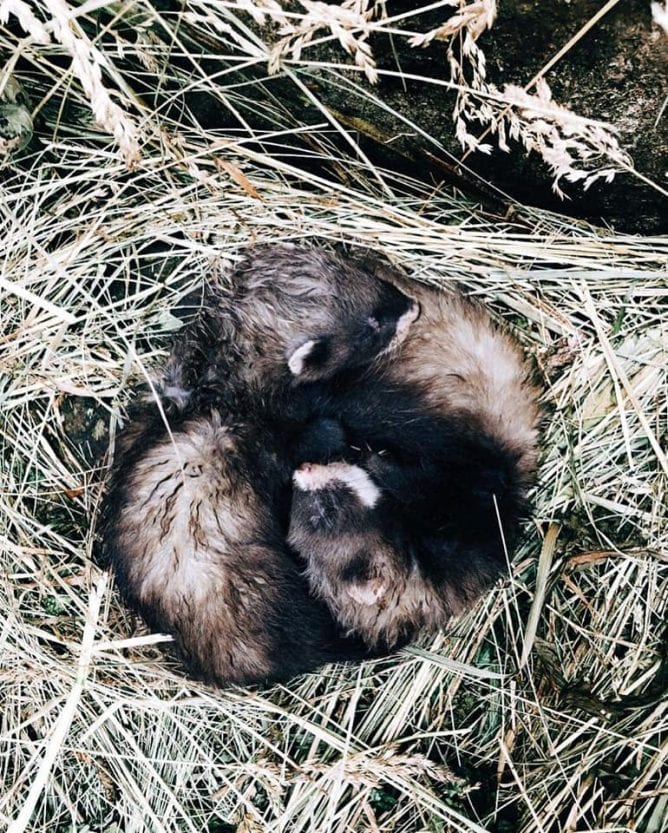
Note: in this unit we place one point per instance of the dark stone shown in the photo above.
(617, 73)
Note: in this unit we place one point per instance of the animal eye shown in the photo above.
(373, 322)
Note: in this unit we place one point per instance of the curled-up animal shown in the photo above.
(385, 577)
(288, 320)
(194, 519)
(192, 531)
(416, 516)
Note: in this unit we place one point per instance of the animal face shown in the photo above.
(335, 498)
(342, 526)
(336, 519)
(358, 339)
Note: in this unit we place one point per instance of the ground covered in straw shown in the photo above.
(541, 710)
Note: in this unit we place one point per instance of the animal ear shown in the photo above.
(361, 580)
(369, 592)
(310, 359)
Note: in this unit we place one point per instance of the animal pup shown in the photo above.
(448, 428)
(458, 389)
(292, 317)
(192, 531)
(447, 437)
(194, 519)
(385, 577)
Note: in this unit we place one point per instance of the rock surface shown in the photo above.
(616, 73)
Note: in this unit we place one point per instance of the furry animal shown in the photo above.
(414, 519)
(385, 577)
(292, 318)
(193, 532)
(195, 516)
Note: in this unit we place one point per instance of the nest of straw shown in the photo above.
(540, 710)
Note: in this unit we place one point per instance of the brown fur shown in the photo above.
(281, 298)
(414, 572)
(192, 520)
(463, 364)
(360, 563)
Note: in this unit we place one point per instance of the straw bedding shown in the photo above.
(540, 710)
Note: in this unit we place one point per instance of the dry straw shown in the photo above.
(542, 709)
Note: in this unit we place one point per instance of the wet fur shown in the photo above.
(248, 341)
(192, 530)
(385, 576)
(447, 432)
(195, 517)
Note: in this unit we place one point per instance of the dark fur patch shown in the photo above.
(357, 568)
(245, 612)
(321, 441)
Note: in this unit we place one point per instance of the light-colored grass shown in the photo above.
(540, 710)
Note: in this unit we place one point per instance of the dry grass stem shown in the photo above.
(511, 720)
